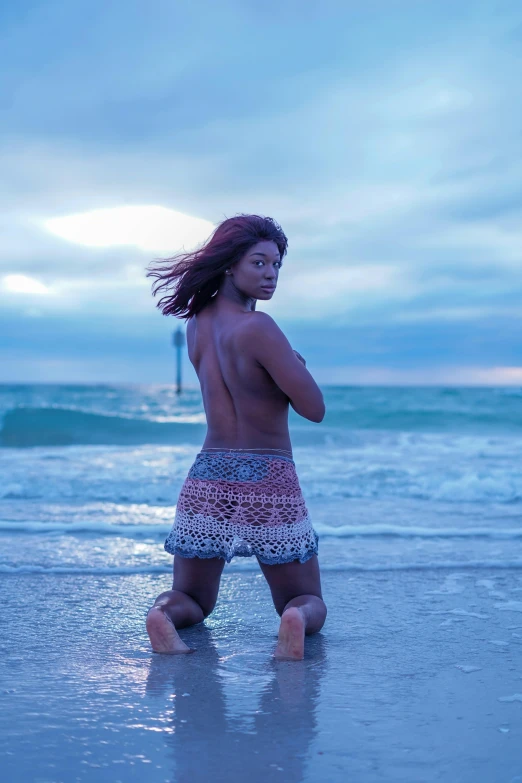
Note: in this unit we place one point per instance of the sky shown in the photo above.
(384, 136)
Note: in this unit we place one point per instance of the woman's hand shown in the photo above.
(300, 358)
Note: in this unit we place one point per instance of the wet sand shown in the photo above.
(416, 676)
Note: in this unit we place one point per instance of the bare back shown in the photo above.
(244, 406)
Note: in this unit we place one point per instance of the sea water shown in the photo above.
(394, 478)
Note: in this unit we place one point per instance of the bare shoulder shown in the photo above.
(261, 336)
(259, 323)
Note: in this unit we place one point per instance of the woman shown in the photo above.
(242, 495)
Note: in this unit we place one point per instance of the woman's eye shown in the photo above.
(277, 263)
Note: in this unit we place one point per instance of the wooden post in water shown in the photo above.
(178, 340)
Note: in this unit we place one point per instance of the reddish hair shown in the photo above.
(195, 277)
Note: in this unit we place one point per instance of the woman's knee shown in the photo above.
(207, 607)
(205, 602)
(199, 579)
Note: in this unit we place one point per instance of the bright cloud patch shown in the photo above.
(151, 228)
(21, 284)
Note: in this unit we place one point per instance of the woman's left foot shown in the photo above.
(162, 634)
(290, 644)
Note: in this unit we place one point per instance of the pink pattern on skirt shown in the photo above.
(241, 503)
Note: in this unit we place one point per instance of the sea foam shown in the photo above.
(251, 565)
(326, 531)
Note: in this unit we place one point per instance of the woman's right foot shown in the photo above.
(163, 636)
(290, 643)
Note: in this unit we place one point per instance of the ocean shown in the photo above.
(416, 494)
(393, 477)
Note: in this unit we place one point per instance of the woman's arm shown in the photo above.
(287, 368)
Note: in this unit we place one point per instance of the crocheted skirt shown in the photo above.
(242, 503)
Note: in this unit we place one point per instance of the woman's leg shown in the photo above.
(296, 592)
(192, 598)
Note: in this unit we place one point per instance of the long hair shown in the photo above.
(194, 277)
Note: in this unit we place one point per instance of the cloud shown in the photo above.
(22, 284)
(151, 228)
(387, 146)
(305, 294)
(456, 314)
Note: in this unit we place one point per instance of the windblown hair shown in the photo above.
(195, 277)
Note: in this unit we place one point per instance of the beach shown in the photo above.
(417, 674)
(415, 677)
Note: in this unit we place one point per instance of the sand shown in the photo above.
(416, 676)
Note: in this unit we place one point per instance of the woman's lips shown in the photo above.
(268, 287)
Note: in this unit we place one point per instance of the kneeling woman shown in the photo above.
(242, 494)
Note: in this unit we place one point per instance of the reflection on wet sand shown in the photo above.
(215, 731)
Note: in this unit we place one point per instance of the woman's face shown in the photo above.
(256, 274)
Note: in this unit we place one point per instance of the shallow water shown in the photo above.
(410, 680)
